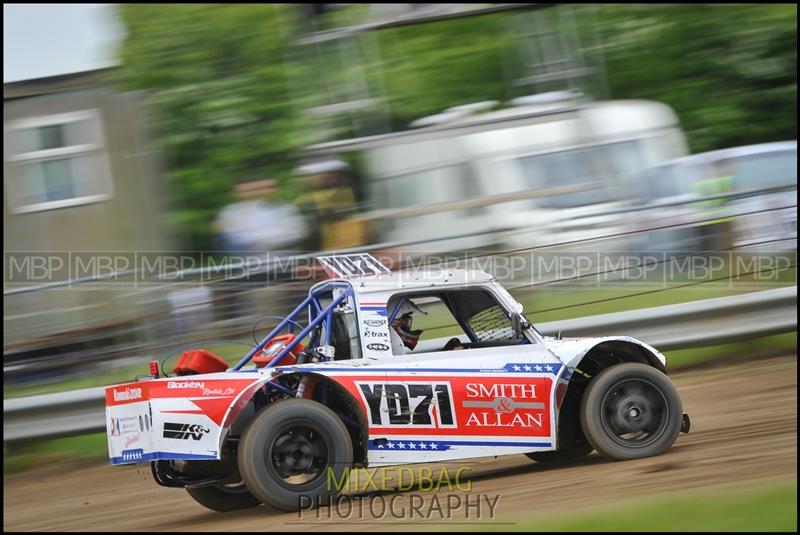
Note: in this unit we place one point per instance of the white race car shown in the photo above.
(346, 390)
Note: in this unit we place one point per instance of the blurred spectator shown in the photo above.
(257, 223)
(331, 207)
(715, 229)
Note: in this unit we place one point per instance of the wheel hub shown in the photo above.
(297, 451)
(634, 412)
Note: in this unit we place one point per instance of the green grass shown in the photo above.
(232, 353)
(26, 455)
(779, 344)
(772, 508)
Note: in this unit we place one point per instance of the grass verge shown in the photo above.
(771, 508)
(27, 455)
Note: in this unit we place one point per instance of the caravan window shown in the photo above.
(768, 170)
(610, 164)
(449, 183)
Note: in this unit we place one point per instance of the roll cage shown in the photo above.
(320, 316)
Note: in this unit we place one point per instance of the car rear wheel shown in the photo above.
(630, 411)
(294, 453)
(224, 498)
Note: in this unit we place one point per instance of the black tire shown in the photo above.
(630, 411)
(571, 453)
(224, 498)
(295, 438)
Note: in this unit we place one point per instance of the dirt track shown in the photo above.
(744, 434)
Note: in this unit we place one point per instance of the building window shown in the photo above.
(57, 161)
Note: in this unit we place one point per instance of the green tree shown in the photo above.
(728, 71)
(227, 86)
(218, 87)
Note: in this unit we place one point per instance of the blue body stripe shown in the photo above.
(158, 455)
(432, 444)
(556, 368)
(520, 444)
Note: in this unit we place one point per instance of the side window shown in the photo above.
(418, 321)
(491, 325)
(432, 321)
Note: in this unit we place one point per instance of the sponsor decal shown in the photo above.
(229, 391)
(115, 427)
(132, 439)
(129, 394)
(372, 333)
(502, 404)
(122, 426)
(184, 431)
(375, 323)
(426, 406)
(185, 384)
(407, 404)
(377, 347)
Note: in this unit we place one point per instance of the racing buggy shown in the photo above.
(348, 385)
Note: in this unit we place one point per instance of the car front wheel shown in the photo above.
(630, 411)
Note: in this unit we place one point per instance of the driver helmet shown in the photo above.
(402, 324)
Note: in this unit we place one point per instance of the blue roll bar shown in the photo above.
(318, 315)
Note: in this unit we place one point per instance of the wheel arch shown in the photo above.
(598, 357)
(325, 390)
(618, 350)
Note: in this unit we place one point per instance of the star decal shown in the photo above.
(391, 445)
(538, 368)
(401, 445)
(549, 368)
(412, 446)
(423, 446)
(527, 368)
(516, 368)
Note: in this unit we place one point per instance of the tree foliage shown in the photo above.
(728, 71)
(228, 89)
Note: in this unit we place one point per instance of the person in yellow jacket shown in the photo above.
(715, 225)
(331, 206)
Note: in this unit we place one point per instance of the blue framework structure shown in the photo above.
(317, 315)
